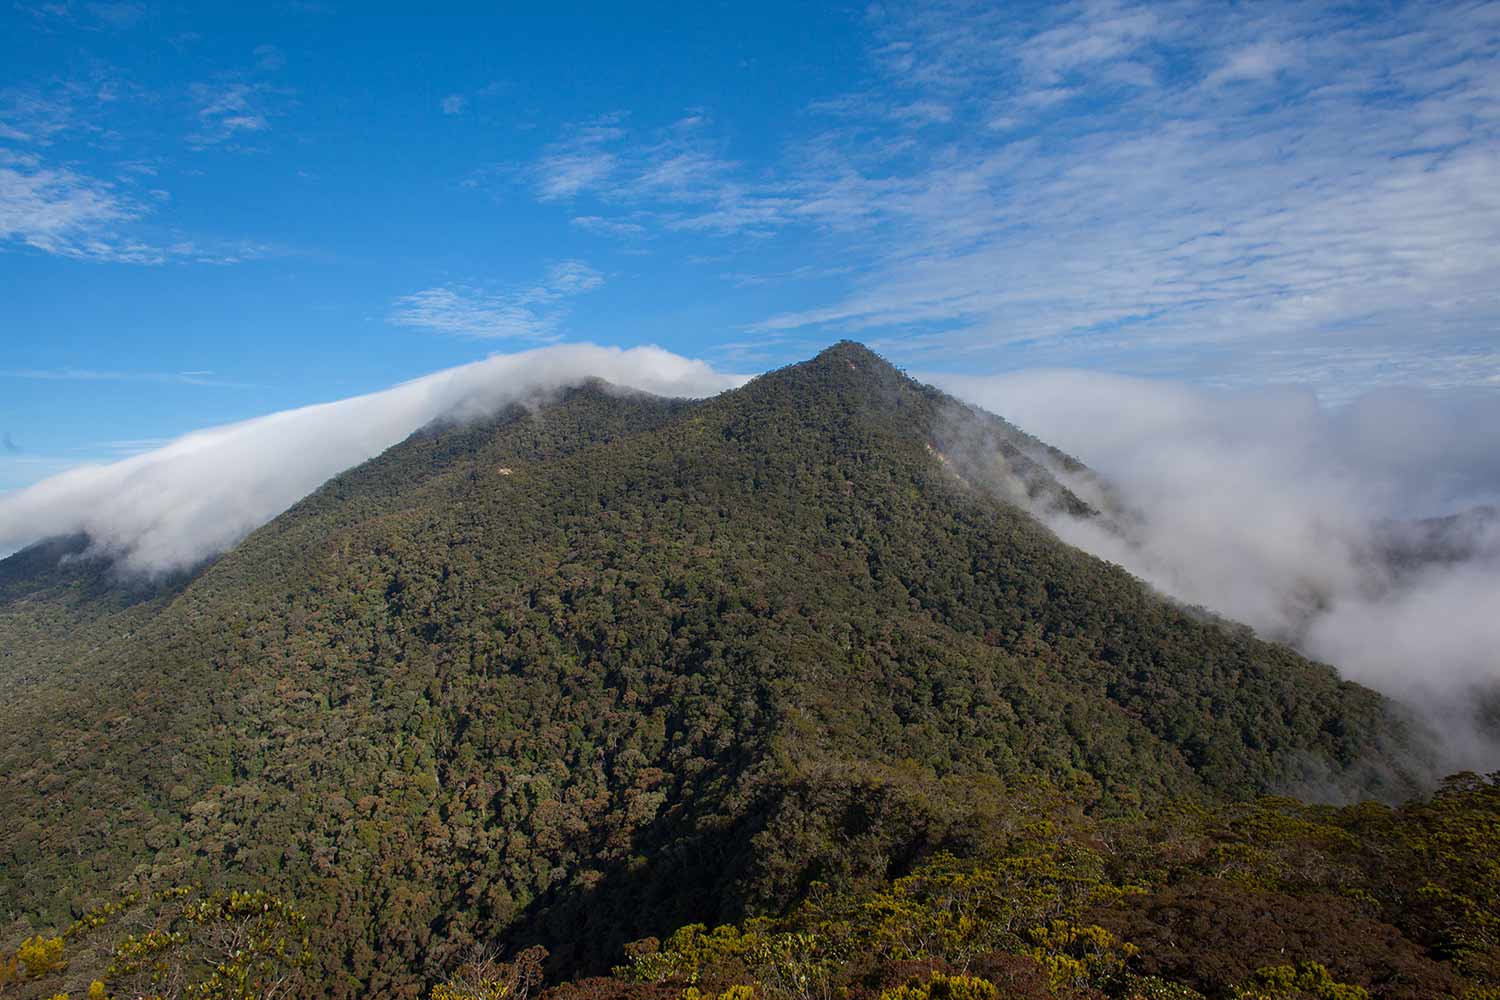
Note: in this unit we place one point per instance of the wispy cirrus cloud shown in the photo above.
(58, 211)
(679, 178)
(205, 378)
(80, 177)
(1135, 181)
(113, 16)
(237, 105)
(128, 446)
(27, 114)
(227, 109)
(119, 16)
(531, 314)
(269, 58)
(608, 227)
(87, 106)
(580, 161)
(1256, 61)
(1312, 174)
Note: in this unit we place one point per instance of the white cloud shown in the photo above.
(200, 494)
(454, 104)
(61, 212)
(579, 163)
(1357, 200)
(570, 172)
(1274, 510)
(526, 314)
(108, 375)
(91, 16)
(571, 277)
(27, 114)
(467, 313)
(50, 202)
(1045, 97)
(919, 113)
(678, 171)
(226, 110)
(1093, 34)
(607, 227)
(269, 58)
(118, 15)
(1118, 177)
(58, 211)
(1256, 61)
(674, 178)
(132, 446)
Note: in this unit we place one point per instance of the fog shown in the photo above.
(1293, 517)
(200, 494)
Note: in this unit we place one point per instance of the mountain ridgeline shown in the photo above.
(609, 664)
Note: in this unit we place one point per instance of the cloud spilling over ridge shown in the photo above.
(1295, 518)
(200, 494)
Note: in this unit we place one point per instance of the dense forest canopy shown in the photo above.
(608, 665)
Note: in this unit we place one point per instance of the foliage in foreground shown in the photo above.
(176, 944)
(1274, 900)
(1271, 900)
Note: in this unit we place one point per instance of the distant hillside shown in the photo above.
(59, 602)
(610, 663)
(1405, 547)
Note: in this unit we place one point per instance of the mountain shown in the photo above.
(58, 600)
(606, 664)
(1405, 548)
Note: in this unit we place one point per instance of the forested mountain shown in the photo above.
(57, 602)
(610, 664)
(1406, 547)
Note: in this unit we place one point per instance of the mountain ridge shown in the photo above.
(502, 680)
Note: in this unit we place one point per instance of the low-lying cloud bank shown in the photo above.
(1294, 518)
(199, 495)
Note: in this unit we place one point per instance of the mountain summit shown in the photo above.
(594, 668)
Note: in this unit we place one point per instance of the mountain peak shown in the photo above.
(854, 355)
(842, 382)
(844, 368)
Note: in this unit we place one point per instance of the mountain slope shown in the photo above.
(59, 600)
(603, 665)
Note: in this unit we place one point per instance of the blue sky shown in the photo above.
(208, 214)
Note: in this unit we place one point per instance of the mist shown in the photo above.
(197, 496)
(1302, 520)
